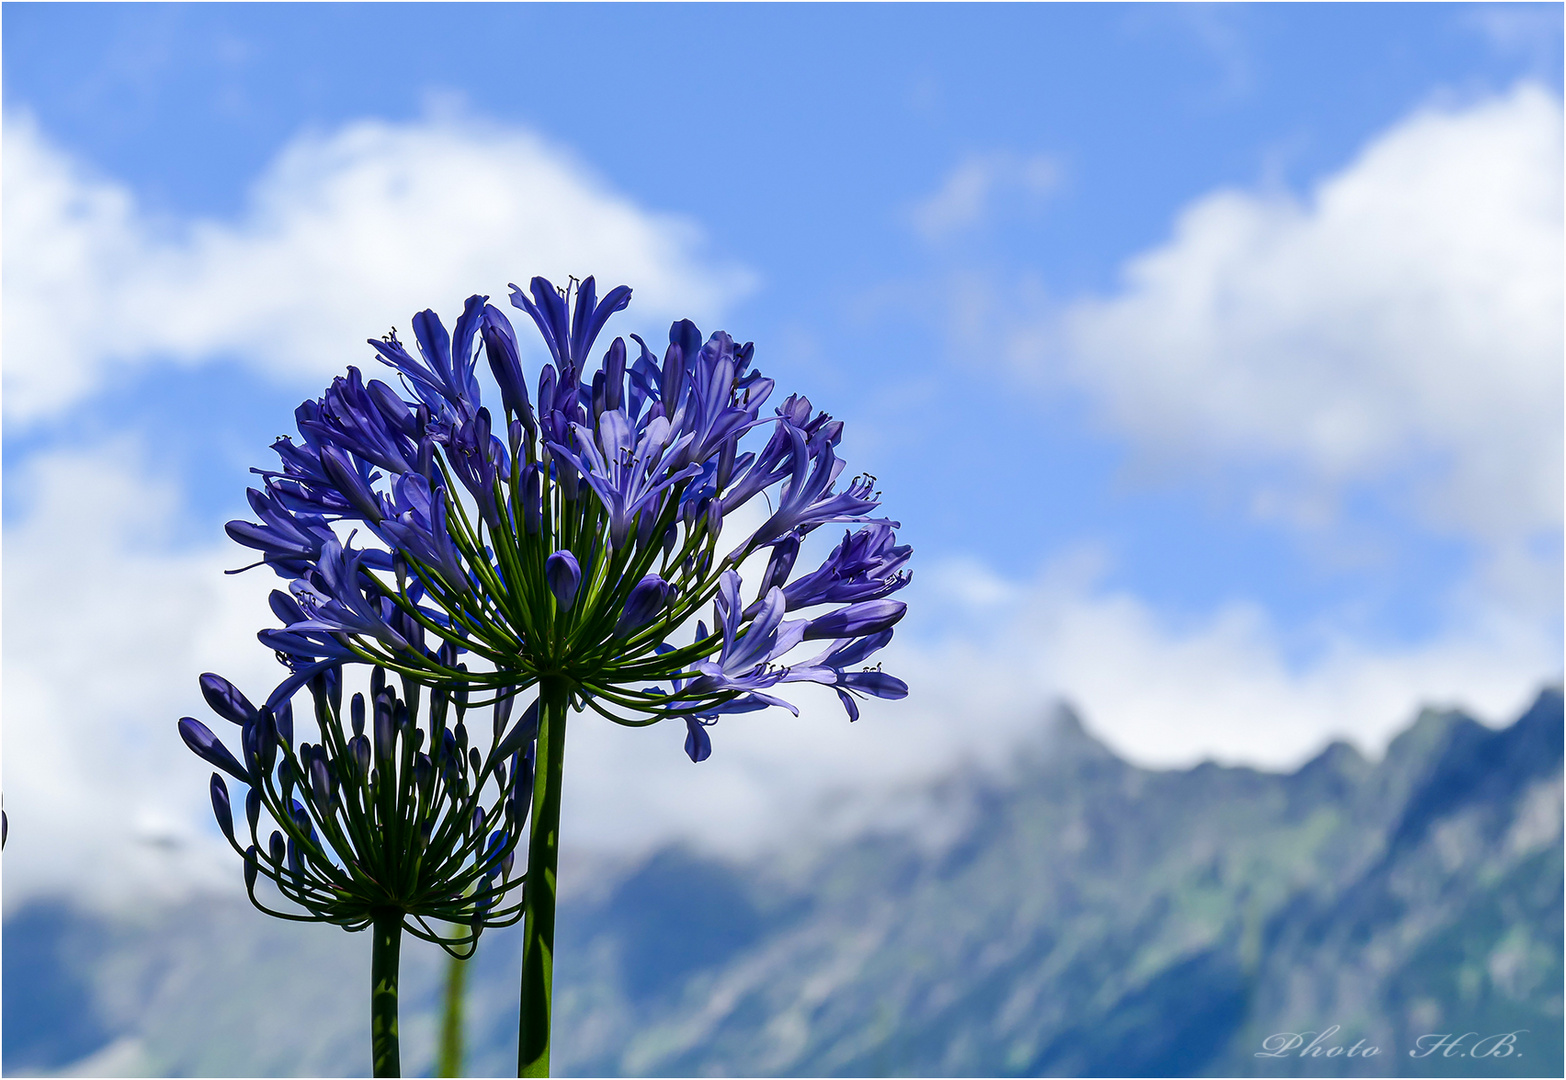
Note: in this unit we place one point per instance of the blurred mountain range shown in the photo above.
(1077, 916)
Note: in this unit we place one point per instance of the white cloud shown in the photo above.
(1173, 692)
(967, 196)
(1401, 325)
(1158, 692)
(106, 632)
(346, 234)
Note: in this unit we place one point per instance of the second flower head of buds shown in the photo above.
(388, 811)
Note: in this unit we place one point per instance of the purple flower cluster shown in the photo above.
(572, 531)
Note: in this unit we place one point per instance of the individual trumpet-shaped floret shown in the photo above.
(807, 499)
(418, 529)
(624, 470)
(570, 338)
(831, 669)
(745, 661)
(717, 410)
(478, 458)
(867, 565)
(444, 380)
(334, 601)
(290, 543)
(370, 422)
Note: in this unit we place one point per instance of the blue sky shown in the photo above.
(1294, 500)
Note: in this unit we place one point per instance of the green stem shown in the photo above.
(451, 1023)
(543, 855)
(386, 1057)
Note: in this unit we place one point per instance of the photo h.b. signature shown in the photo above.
(1327, 1044)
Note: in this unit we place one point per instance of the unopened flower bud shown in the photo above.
(564, 577)
(784, 552)
(200, 739)
(650, 596)
(614, 374)
(359, 747)
(225, 700)
(220, 806)
(320, 784)
(532, 505)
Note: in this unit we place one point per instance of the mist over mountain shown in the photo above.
(1076, 916)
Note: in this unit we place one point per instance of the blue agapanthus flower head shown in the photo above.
(571, 524)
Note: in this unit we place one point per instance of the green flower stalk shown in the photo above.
(448, 1059)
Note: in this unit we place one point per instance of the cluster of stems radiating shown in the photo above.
(383, 814)
(508, 615)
